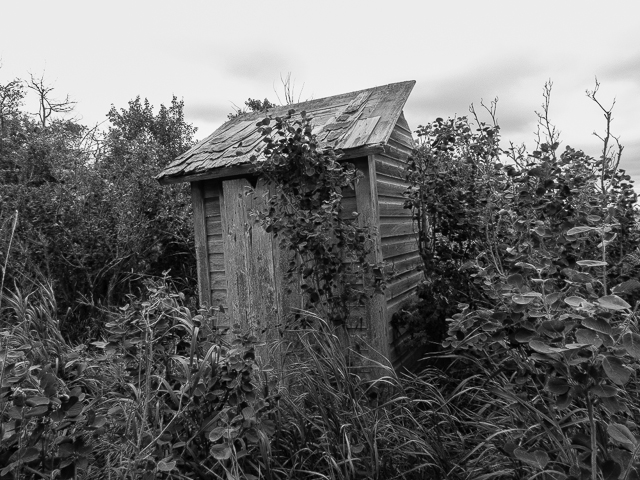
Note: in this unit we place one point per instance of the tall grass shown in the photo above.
(163, 395)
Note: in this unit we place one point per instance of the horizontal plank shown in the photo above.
(212, 207)
(399, 138)
(388, 186)
(403, 263)
(216, 261)
(212, 190)
(215, 244)
(390, 167)
(214, 226)
(217, 280)
(397, 228)
(394, 246)
(402, 284)
(400, 301)
(394, 210)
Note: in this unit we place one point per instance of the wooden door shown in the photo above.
(253, 297)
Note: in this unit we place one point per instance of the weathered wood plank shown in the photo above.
(401, 151)
(396, 228)
(212, 191)
(212, 207)
(200, 237)
(391, 187)
(401, 133)
(216, 262)
(360, 132)
(219, 297)
(391, 167)
(264, 316)
(393, 246)
(393, 210)
(367, 198)
(215, 244)
(236, 248)
(394, 305)
(217, 280)
(214, 226)
(401, 264)
(402, 284)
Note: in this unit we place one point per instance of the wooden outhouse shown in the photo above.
(240, 266)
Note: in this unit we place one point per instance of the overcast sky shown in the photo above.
(215, 54)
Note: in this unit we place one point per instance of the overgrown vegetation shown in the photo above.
(109, 371)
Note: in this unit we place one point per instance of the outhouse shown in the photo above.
(240, 266)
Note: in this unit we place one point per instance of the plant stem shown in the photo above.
(6, 258)
(594, 446)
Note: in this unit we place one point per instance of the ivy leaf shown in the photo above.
(522, 300)
(539, 458)
(515, 280)
(30, 454)
(578, 230)
(627, 287)
(588, 336)
(552, 298)
(615, 370)
(613, 302)
(591, 263)
(621, 434)
(216, 434)
(542, 347)
(557, 386)
(37, 401)
(631, 342)
(221, 451)
(576, 302)
(166, 464)
(603, 391)
(597, 324)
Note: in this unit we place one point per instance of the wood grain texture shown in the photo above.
(393, 246)
(265, 313)
(200, 237)
(236, 243)
(402, 284)
(367, 199)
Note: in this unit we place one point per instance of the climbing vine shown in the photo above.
(327, 245)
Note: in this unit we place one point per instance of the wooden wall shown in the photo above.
(397, 234)
(233, 253)
(215, 245)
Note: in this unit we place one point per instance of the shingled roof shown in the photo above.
(347, 122)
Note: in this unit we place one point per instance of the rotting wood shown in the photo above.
(360, 132)
(200, 235)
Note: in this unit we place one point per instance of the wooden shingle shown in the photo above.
(350, 122)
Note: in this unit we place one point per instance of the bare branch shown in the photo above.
(47, 105)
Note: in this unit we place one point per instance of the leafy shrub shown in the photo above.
(165, 398)
(558, 341)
